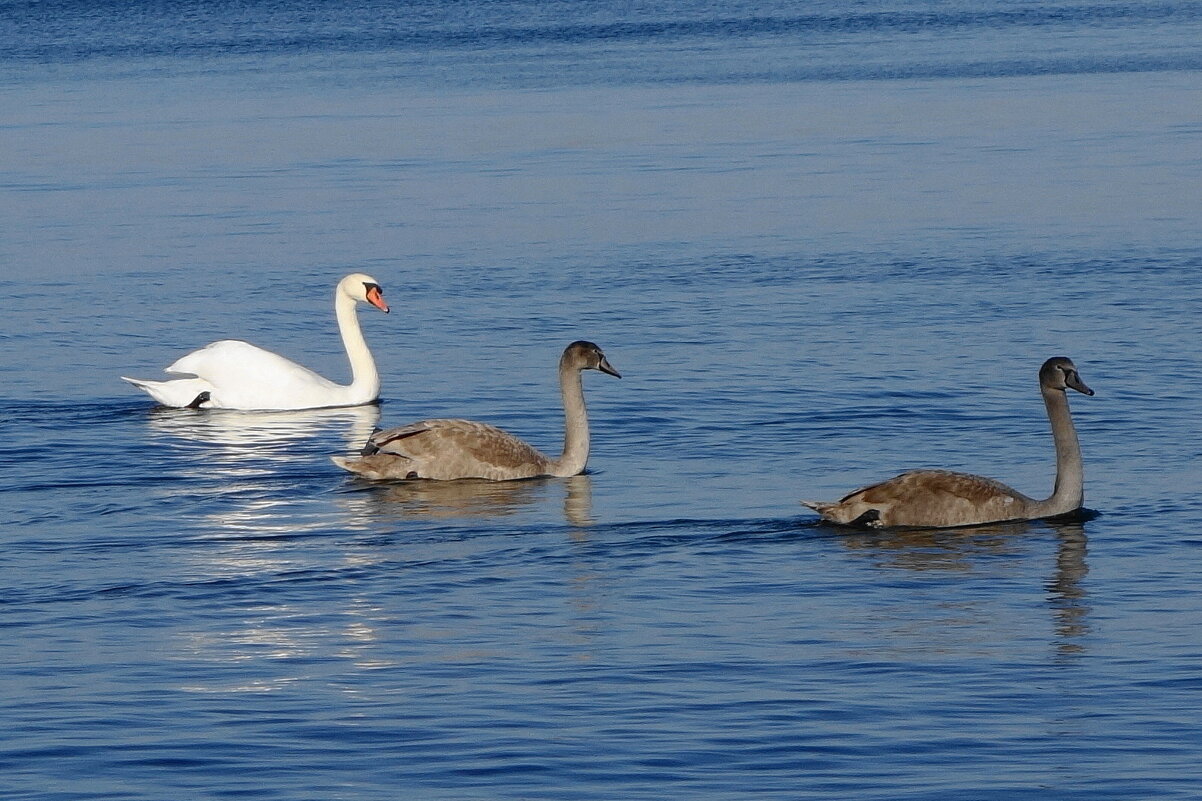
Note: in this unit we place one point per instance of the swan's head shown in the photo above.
(581, 355)
(363, 288)
(1060, 373)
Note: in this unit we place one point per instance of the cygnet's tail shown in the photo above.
(346, 464)
(837, 513)
(377, 467)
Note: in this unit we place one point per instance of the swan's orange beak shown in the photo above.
(376, 298)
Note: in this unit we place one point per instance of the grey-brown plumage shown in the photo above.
(448, 449)
(941, 498)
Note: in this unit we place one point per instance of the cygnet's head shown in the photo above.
(1060, 373)
(581, 355)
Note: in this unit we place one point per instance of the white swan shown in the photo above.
(451, 449)
(232, 374)
(943, 499)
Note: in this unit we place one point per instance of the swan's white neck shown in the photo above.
(1069, 492)
(365, 380)
(575, 435)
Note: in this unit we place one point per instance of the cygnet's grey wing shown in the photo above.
(450, 449)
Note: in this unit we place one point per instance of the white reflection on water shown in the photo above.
(235, 458)
(234, 462)
(271, 647)
(263, 434)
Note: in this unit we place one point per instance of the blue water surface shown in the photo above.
(822, 243)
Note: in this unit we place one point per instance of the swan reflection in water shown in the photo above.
(264, 434)
(277, 639)
(938, 549)
(472, 498)
(1069, 598)
(962, 550)
(253, 482)
(240, 465)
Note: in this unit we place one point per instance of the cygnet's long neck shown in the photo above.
(1069, 492)
(365, 380)
(575, 435)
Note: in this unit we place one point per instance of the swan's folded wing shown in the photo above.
(461, 448)
(933, 498)
(234, 362)
(974, 489)
(383, 440)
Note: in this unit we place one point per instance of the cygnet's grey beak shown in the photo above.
(1073, 380)
(606, 367)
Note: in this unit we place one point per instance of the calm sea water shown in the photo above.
(822, 245)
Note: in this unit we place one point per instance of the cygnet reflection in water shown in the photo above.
(474, 498)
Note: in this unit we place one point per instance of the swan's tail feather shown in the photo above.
(183, 392)
(837, 513)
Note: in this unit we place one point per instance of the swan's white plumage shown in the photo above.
(245, 373)
(232, 374)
